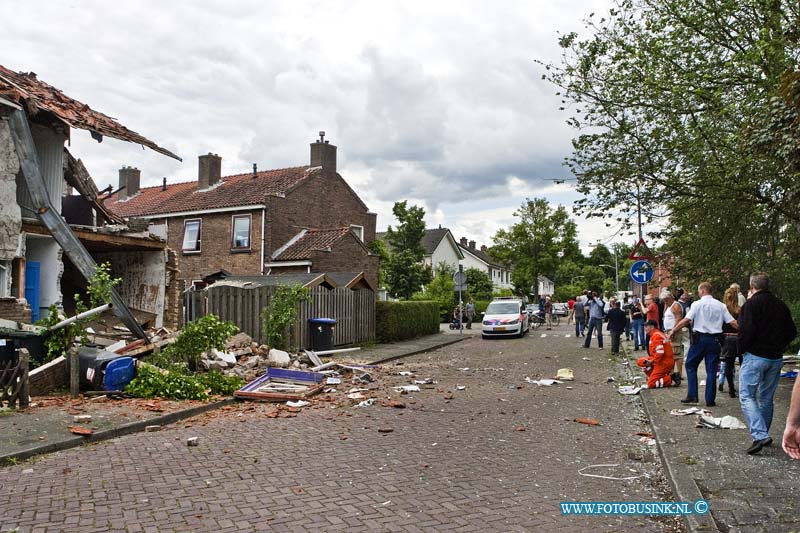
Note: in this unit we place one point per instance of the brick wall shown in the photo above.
(49, 377)
(347, 255)
(323, 201)
(172, 292)
(215, 247)
(12, 309)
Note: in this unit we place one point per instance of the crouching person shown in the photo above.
(658, 366)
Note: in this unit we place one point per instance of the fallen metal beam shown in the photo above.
(48, 214)
(85, 314)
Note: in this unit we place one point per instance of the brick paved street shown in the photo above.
(454, 460)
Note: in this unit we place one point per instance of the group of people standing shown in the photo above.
(754, 329)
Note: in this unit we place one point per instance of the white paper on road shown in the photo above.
(366, 403)
(407, 388)
(298, 403)
(565, 374)
(544, 335)
(461, 387)
(540, 382)
(629, 389)
(689, 411)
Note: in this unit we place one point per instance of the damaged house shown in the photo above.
(50, 239)
(303, 219)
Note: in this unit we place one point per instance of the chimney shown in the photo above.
(463, 242)
(323, 154)
(471, 245)
(209, 171)
(483, 248)
(164, 184)
(128, 182)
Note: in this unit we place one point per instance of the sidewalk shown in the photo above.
(43, 428)
(745, 493)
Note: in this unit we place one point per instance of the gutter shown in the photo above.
(263, 237)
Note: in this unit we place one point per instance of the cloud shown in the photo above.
(440, 103)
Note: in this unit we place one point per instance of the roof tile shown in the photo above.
(33, 94)
(232, 191)
(313, 240)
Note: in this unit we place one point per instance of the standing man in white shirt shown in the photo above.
(706, 316)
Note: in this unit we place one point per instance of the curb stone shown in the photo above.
(421, 350)
(124, 429)
(683, 486)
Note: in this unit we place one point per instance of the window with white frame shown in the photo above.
(240, 232)
(191, 235)
(358, 230)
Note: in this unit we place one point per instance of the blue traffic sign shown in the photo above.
(642, 272)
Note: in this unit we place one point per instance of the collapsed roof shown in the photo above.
(34, 96)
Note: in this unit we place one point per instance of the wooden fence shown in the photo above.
(354, 311)
(14, 384)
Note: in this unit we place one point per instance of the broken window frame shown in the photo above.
(249, 218)
(198, 240)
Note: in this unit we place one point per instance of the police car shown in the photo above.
(505, 317)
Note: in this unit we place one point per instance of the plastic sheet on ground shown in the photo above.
(726, 422)
(630, 389)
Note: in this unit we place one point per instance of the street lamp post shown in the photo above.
(616, 274)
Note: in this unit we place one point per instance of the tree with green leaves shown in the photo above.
(405, 273)
(683, 99)
(536, 244)
(479, 285)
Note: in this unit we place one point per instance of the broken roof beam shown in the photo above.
(59, 229)
(78, 177)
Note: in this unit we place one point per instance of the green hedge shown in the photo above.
(396, 321)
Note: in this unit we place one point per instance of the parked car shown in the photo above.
(560, 309)
(505, 317)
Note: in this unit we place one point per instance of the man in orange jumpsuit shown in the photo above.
(659, 365)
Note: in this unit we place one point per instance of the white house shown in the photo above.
(546, 287)
(479, 258)
(440, 246)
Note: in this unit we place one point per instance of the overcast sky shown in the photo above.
(436, 102)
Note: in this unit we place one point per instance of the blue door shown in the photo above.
(32, 287)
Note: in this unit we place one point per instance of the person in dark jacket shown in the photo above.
(616, 325)
(765, 329)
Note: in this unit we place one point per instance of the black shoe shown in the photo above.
(758, 445)
(676, 379)
(732, 393)
(712, 404)
(689, 400)
(722, 387)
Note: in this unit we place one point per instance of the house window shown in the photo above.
(240, 232)
(191, 235)
(358, 230)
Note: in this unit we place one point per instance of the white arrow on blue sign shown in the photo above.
(642, 272)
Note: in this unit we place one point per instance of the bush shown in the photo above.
(396, 321)
(150, 383)
(480, 307)
(195, 338)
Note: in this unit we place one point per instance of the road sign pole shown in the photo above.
(460, 301)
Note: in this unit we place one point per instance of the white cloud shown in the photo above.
(440, 103)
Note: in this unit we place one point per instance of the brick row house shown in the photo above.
(299, 219)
